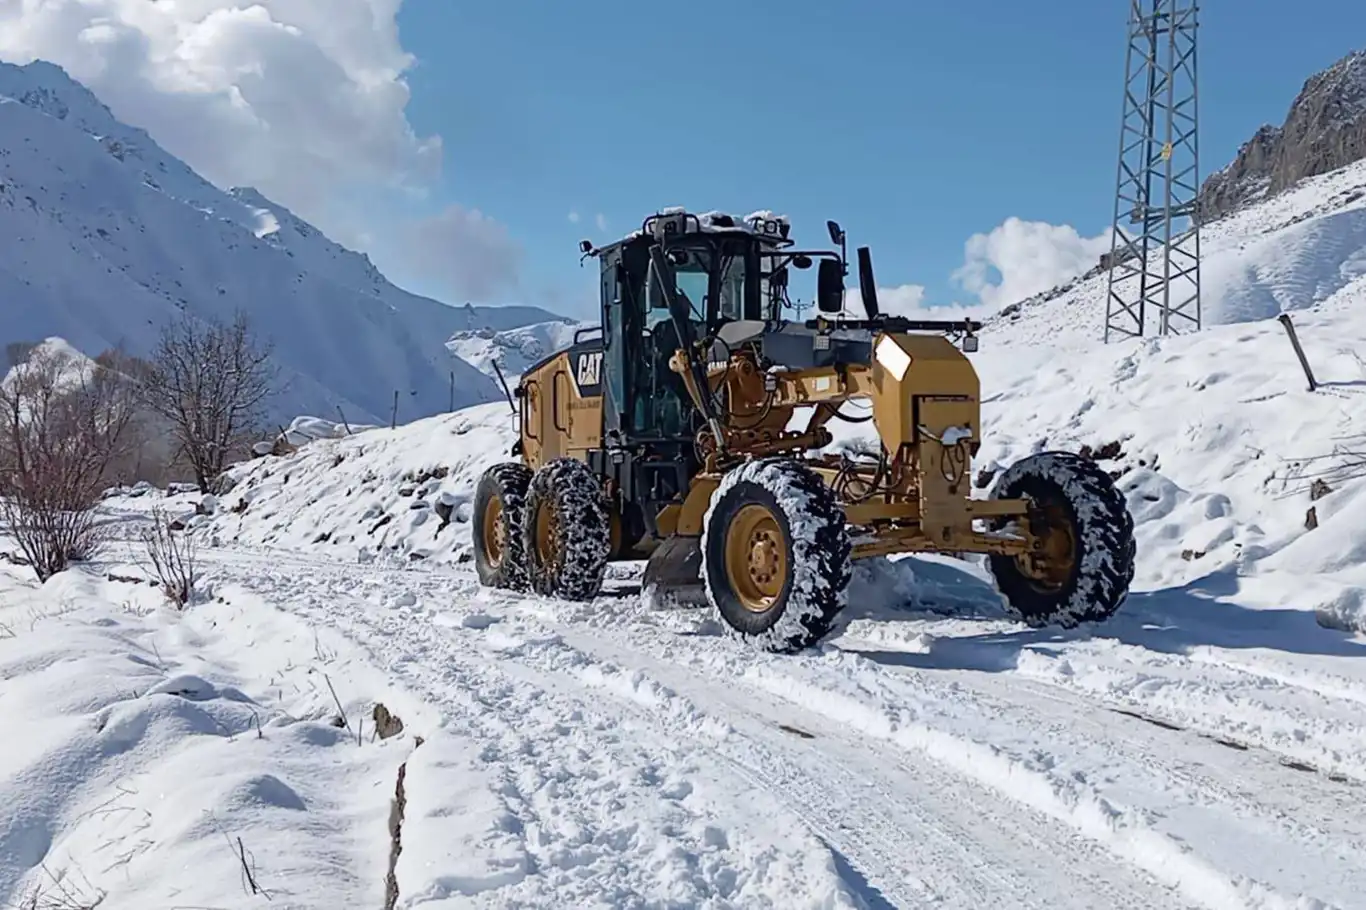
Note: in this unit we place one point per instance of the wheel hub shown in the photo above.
(756, 558)
(1053, 554)
(494, 536)
(548, 537)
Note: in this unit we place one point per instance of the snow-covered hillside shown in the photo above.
(107, 236)
(1299, 249)
(513, 350)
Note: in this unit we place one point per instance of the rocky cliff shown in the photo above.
(1324, 130)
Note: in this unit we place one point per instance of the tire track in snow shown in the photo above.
(601, 811)
(1132, 832)
(914, 833)
(1251, 785)
(593, 627)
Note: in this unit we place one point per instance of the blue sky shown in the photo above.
(915, 124)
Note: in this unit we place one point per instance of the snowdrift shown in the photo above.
(156, 765)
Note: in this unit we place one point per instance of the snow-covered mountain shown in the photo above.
(514, 349)
(1324, 130)
(107, 235)
(1296, 250)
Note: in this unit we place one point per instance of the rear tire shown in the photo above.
(499, 499)
(566, 531)
(1085, 525)
(776, 554)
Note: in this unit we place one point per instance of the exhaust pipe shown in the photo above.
(867, 287)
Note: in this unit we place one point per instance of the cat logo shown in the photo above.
(589, 371)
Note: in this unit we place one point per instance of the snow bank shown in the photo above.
(147, 770)
(403, 493)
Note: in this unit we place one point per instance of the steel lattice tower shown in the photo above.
(1154, 259)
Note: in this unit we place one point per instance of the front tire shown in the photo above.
(566, 531)
(776, 555)
(497, 526)
(1083, 562)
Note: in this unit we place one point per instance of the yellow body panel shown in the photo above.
(557, 420)
(926, 408)
(925, 399)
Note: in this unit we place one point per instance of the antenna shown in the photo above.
(1157, 264)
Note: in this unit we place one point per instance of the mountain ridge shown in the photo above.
(1324, 130)
(110, 236)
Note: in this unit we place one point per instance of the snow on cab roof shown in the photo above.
(761, 222)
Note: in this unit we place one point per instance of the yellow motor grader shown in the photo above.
(691, 429)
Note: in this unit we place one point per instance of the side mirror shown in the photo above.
(801, 261)
(830, 286)
(585, 246)
(969, 344)
(836, 232)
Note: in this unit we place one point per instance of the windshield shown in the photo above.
(692, 282)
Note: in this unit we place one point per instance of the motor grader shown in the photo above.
(691, 429)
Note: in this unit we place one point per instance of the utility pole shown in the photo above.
(1154, 258)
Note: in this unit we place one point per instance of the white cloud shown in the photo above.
(909, 300)
(1018, 259)
(573, 217)
(902, 300)
(464, 252)
(601, 221)
(299, 98)
(899, 301)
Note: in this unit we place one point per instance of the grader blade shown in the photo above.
(673, 575)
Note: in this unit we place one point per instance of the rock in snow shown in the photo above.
(1324, 130)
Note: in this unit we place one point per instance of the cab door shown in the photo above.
(615, 361)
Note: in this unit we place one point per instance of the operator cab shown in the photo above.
(723, 271)
(682, 279)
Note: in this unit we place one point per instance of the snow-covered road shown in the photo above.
(640, 758)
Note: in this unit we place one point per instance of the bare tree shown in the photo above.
(152, 454)
(63, 422)
(210, 381)
(16, 352)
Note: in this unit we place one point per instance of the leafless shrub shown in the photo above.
(63, 423)
(61, 892)
(210, 382)
(172, 557)
(1317, 474)
(16, 353)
